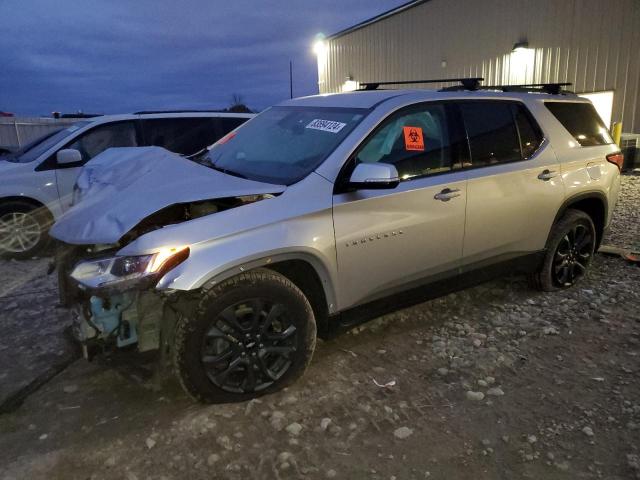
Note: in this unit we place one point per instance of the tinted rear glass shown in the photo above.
(582, 121)
(492, 133)
(230, 123)
(185, 136)
(529, 131)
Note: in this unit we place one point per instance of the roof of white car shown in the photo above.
(371, 98)
(141, 115)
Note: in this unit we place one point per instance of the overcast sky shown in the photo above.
(115, 56)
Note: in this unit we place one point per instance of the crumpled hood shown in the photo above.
(122, 186)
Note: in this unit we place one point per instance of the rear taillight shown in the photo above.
(617, 159)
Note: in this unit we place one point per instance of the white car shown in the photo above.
(37, 183)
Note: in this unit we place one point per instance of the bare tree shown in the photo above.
(236, 99)
(237, 104)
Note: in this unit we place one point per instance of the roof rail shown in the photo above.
(466, 83)
(550, 88)
(148, 112)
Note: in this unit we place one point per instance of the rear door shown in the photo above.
(387, 240)
(514, 187)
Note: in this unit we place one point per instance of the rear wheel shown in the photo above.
(23, 229)
(570, 251)
(250, 335)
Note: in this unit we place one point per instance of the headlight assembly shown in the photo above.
(120, 270)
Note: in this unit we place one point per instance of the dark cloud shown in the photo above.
(116, 56)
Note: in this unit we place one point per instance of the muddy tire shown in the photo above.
(570, 250)
(250, 335)
(23, 230)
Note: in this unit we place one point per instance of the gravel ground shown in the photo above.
(32, 341)
(496, 381)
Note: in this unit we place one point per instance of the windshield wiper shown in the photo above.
(227, 171)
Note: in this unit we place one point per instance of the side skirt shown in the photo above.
(428, 290)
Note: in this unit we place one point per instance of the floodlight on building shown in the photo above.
(319, 45)
(521, 63)
(520, 46)
(350, 85)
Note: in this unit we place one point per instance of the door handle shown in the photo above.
(547, 175)
(447, 194)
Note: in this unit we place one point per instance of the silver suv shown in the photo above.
(325, 211)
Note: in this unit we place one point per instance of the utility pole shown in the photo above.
(290, 79)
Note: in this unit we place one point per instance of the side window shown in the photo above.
(528, 130)
(415, 141)
(97, 140)
(230, 123)
(582, 122)
(492, 133)
(185, 136)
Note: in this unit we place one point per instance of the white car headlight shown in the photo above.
(119, 270)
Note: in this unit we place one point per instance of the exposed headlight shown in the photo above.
(105, 272)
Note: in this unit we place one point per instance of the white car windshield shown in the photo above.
(44, 143)
(283, 144)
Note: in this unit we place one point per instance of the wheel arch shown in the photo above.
(306, 278)
(594, 204)
(304, 269)
(32, 201)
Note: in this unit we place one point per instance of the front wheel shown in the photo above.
(23, 229)
(570, 250)
(250, 335)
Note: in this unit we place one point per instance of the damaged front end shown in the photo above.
(127, 194)
(112, 298)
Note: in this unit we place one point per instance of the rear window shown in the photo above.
(185, 136)
(528, 130)
(492, 133)
(582, 121)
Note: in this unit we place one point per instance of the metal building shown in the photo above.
(594, 44)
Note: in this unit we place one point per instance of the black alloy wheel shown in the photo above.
(249, 346)
(246, 336)
(573, 256)
(569, 252)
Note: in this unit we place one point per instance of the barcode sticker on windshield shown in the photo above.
(326, 125)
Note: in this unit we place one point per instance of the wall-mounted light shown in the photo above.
(350, 85)
(520, 46)
(319, 45)
(521, 63)
(443, 64)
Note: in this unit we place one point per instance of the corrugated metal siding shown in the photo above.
(18, 131)
(591, 43)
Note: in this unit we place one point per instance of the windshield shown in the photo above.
(36, 148)
(283, 144)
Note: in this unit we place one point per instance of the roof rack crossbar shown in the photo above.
(472, 83)
(551, 88)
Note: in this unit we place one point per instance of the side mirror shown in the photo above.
(68, 156)
(370, 176)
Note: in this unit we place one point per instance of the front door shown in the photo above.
(387, 240)
(90, 144)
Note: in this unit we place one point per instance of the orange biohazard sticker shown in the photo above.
(413, 139)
